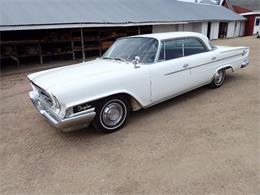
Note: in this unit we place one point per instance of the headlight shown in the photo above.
(35, 90)
(56, 105)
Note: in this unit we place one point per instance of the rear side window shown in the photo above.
(171, 49)
(193, 46)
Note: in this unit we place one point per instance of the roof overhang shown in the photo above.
(81, 25)
(250, 13)
(92, 25)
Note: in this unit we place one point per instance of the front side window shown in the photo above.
(171, 49)
(193, 46)
(128, 48)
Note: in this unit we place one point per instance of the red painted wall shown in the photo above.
(250, 23)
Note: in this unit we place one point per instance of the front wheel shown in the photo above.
(111, 114)
(218, 79)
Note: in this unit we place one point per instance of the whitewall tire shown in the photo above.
(111, 114)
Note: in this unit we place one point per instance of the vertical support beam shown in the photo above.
(16, 58)
(40, 53)
(72, 49)
(139, 30)
(100, 43)
(72, 45)
(82, 44)
(41, 59)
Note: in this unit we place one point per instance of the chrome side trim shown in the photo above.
(233, 50)
(176, 71)
(166, 74)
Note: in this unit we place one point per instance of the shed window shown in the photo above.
(257, 21)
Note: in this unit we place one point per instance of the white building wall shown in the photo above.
(234, 29)
(256, 28)
(164, 28)
(196, 27)
(214, 30)
(192, 27)
(180, 27)
(204, 28)
(231, 29)
(237, 28)
(242, 29)
(200, 27)
(188, 27)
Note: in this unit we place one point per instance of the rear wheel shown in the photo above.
(218, 79)
(111, 114)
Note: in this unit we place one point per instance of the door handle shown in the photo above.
(213, 58)
(185, 65)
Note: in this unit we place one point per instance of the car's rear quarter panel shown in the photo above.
(232, 56)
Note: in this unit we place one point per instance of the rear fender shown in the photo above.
(228, 66)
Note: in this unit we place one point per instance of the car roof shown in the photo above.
(172, 35)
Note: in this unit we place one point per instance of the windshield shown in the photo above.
(126, 49)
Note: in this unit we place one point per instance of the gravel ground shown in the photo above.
(203, 142)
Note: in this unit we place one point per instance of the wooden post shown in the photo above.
(82, 44)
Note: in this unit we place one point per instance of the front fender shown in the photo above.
(135, 101)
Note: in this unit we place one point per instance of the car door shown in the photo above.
(200, 60)
(171, 74)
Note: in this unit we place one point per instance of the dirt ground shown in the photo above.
(203, 142)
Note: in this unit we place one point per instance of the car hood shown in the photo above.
(64, 75)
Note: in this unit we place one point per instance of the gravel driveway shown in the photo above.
(203, 142)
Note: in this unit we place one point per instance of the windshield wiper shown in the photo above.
(116, 58)
(107, 58)
(120, 59)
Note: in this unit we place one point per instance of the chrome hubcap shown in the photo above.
(219, 77)
(112, 114)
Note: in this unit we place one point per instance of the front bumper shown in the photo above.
(75, 121)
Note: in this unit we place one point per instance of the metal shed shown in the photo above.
(85, 28)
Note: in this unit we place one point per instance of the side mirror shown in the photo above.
(136, 62)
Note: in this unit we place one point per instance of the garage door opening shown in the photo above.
(223, 26)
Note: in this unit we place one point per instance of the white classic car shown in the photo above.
(136, 72)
